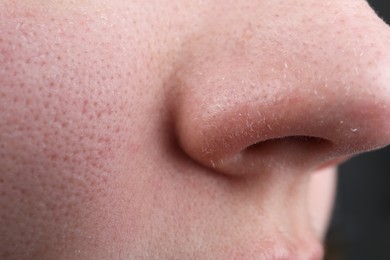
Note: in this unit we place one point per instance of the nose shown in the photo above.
(257, 94)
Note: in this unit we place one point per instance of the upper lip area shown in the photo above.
(280, 248)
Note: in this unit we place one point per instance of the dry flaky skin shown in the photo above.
(182, 129)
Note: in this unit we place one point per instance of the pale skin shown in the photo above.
(183, 129)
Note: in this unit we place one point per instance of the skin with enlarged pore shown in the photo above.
(182, 129)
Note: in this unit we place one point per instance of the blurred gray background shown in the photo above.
(360, 226)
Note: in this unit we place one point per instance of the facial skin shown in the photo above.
(182, 129)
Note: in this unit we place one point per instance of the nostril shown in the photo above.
(301, 152)
(303, 141)
(298, 144)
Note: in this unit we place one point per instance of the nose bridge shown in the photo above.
(326, 80)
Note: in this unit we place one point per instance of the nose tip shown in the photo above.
(246, 114)
(298, 132)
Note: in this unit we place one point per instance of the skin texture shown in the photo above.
(182, 129)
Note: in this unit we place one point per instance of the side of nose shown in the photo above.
(251, 98)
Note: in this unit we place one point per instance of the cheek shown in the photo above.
(321, 197)
(61, 148)
(70, 122)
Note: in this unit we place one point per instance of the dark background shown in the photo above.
(360, 226)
